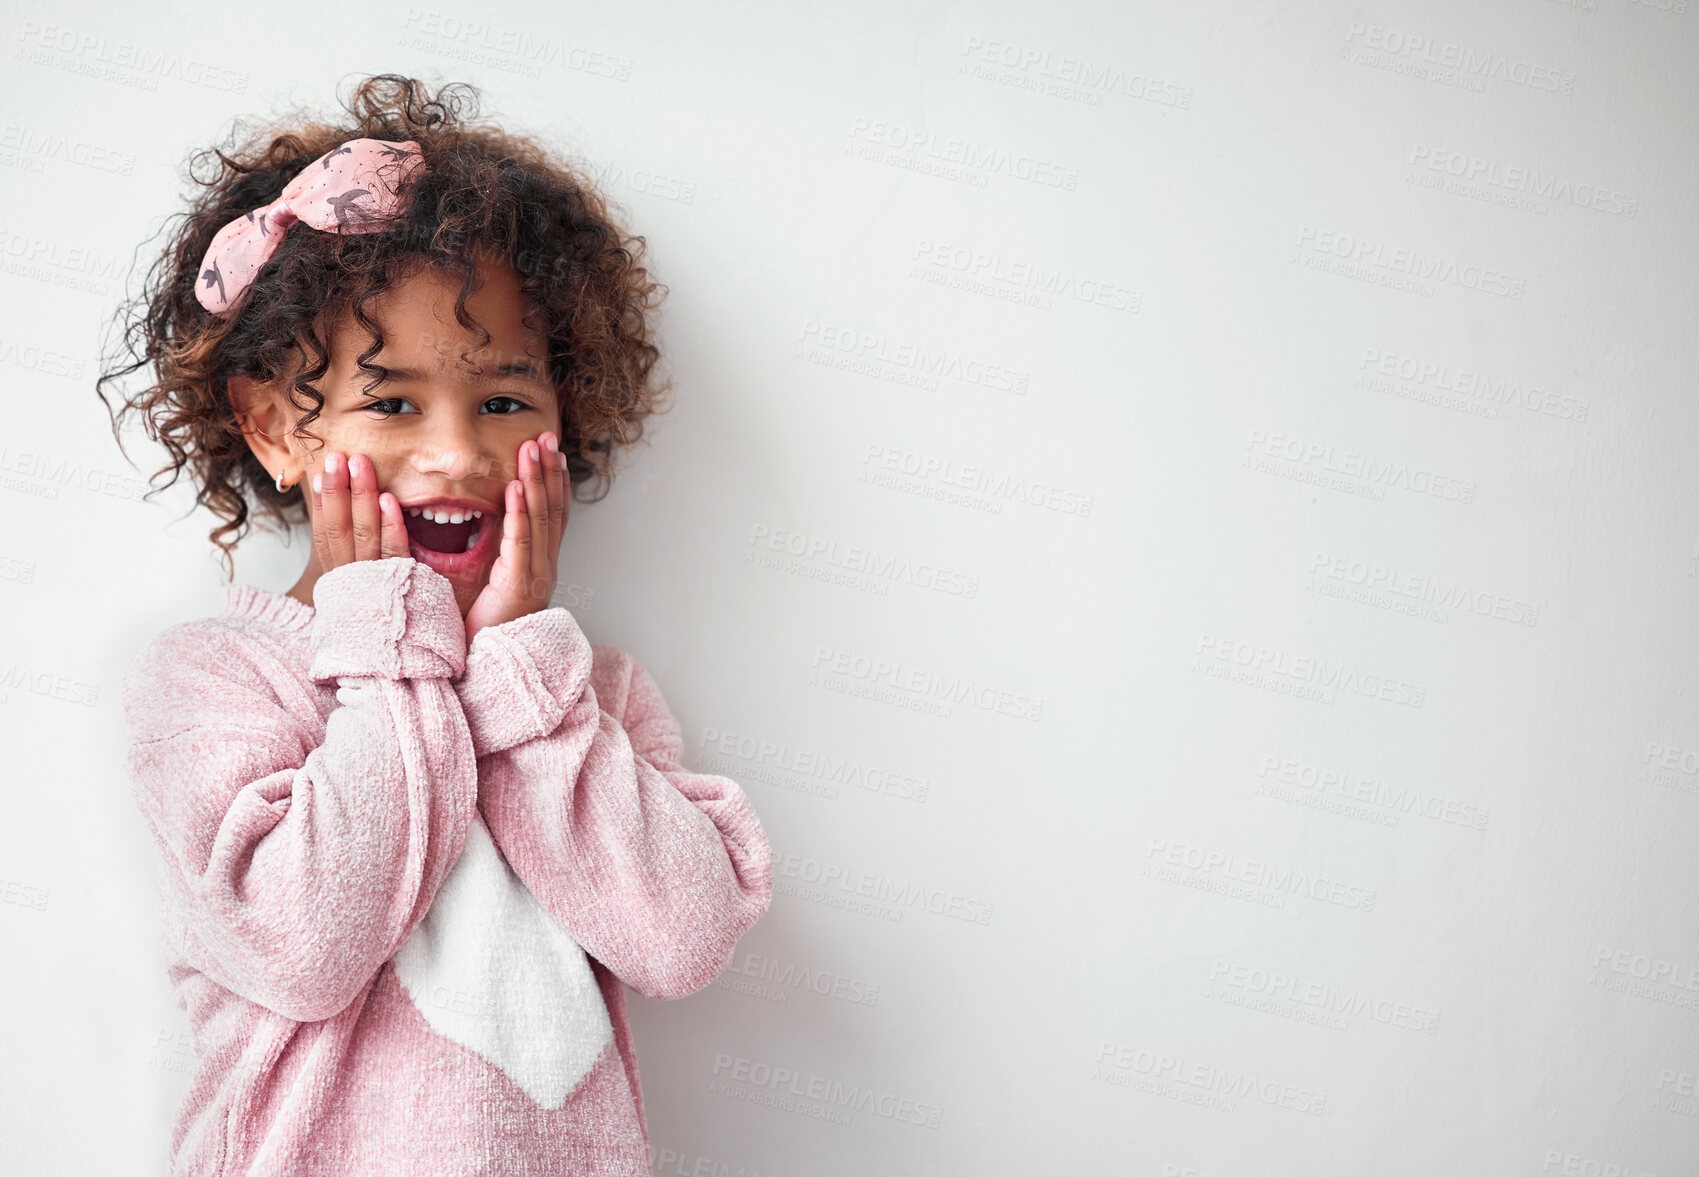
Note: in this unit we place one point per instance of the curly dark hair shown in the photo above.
(483, 193)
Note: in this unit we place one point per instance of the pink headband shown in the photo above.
(343, 190)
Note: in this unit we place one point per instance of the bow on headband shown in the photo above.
(349, 189)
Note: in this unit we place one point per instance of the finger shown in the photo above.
(363, 480)
(557, 494)
(320, 547)
(393, 540)
(548, 530)
(525, 538)
(537, 509)
(512, 520)
(338, 527)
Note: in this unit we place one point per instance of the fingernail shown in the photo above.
(549, 440)
(330, 461)
(317, 486)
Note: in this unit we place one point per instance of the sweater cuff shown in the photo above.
(522, 677)
(392, 618)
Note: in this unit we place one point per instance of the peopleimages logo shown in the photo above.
(874, 348)
(98, 55)
(865, 561)
(39, 145)
(921, 683)
(1003, 485)
(795, 976)
(668, 1162)
(1410, 585)
(1023, 274)
(1443, 377)
(39, 359)
(1075, 71)
(1255, 657)
(47, 684)
(1678, 974)
(755, 755)
(1523, 181)
(1409, 263)
(885, 890)
(1281, 775)
(1276, 879)
(1469, 62)
(1120, 1062)
(982, 158)
(752, 1074)
(1324, 995)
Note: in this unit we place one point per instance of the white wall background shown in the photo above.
(1284, 419)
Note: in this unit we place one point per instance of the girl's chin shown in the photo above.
(467, 582)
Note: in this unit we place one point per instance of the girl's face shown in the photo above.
(441, 433)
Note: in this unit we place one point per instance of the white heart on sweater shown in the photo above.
(491, 969)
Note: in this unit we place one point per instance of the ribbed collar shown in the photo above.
(277, 609)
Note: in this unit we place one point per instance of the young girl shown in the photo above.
(417, 831)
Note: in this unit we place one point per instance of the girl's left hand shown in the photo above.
(522, 580)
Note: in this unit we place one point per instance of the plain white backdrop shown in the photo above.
(1181, 517)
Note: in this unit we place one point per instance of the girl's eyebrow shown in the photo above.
(523, 368)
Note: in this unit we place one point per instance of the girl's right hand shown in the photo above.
(351, 520)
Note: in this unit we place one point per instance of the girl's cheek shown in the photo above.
(387, 465)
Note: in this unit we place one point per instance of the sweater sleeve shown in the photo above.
(301, 852)
(655, 871)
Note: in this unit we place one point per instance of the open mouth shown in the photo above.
(443, 537)
(465, 549)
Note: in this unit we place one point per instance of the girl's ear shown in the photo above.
(265, 423)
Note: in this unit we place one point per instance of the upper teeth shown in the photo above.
(444, 516)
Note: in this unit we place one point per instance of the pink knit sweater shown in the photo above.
(406, 879)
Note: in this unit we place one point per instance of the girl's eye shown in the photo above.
(380, 405)
(383, 406)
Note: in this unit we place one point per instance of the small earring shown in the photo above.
(280, 487)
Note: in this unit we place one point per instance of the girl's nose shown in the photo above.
(454, 451)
